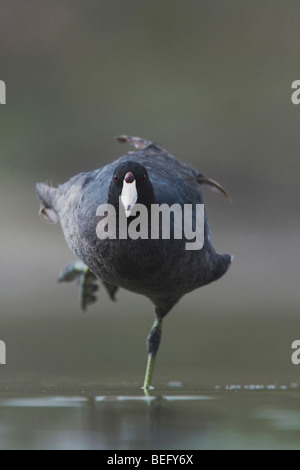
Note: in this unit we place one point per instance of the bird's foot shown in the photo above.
(147, 390)
(86, 280)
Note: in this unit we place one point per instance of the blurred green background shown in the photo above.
(211, 82)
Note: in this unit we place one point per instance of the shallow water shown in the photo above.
(251, 418)
(220, 383)
(224, 377)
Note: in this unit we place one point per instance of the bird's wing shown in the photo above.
(142, 144)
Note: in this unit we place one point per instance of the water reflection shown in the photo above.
(218, 419)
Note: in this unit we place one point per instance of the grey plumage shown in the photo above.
(162, 270)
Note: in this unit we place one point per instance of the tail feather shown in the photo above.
(47, 196)
(223, 264)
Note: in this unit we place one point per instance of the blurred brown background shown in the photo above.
(211, 82)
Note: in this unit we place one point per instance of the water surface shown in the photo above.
(239, 417)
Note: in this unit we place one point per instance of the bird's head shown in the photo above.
(131, 184)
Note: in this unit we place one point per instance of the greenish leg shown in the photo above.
(87, 282)
(148, 376)
(153, 342)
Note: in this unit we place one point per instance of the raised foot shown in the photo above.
(86, 280)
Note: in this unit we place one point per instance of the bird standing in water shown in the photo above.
(161, 269)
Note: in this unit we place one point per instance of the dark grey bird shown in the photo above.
(161, 268)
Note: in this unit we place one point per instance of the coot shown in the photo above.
(161, 268)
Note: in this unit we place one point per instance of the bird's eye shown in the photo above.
(115, 178)
(144, 178)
